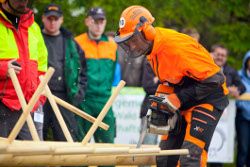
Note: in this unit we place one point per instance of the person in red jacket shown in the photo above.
(192, 83)
(23, 49)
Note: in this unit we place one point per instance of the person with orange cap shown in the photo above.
(191, 83)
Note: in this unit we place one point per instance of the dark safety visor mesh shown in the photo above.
(136, 45)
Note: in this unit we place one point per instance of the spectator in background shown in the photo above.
(101, 59)
(117, 77)
(69, 80)
(192, 32)
(131, 68)
(243, 118)
(21, 48)
(234, 84)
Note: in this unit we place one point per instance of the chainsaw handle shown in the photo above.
(159, 101)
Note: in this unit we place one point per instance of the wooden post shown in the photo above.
(58, 114)
(144, 150)
(160, 153)
(3, 147)
(23, 103)
(63, 144)
(244, 96)
(103, 113)
(73, 150)
(30, 106)
(29, 151)
(79, 112)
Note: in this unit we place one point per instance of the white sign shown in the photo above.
(222, 145)
(127, 109)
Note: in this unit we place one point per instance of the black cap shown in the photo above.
(96, 13)
(53, 10)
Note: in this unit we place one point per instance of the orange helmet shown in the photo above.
(2, 1)
(132, 18)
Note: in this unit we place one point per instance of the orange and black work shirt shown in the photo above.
(176, 56)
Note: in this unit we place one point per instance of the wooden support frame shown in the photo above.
(40, 153)
(79, 112)
(30, 105)
(103, 112)
(23, 103)
(52, 99)
(58, 114)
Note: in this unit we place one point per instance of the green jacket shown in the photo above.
(74, 69)
(101, 59)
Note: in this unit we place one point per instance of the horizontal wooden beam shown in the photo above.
(51, 153)
(86, 160)
(245, 96)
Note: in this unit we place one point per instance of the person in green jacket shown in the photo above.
(69, 79)
(101, 57)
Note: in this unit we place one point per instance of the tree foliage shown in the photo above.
(224, 21)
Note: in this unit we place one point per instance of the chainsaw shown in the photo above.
(159, 121)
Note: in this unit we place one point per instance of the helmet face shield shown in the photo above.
(136, 45)
(131, 35)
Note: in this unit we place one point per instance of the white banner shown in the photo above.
(222, 145)
(127, 108)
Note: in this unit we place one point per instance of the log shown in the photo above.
(160, 153)
(53, 150)
(78, 160)
(41, 153)
(34, 150)
(74, 150)
(245, 96)
(57, 144)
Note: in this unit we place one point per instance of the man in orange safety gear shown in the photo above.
(190, 82)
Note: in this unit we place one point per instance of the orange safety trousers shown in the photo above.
(198, 125)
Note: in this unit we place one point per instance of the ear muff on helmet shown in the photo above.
(149, 32)
(147, 29)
